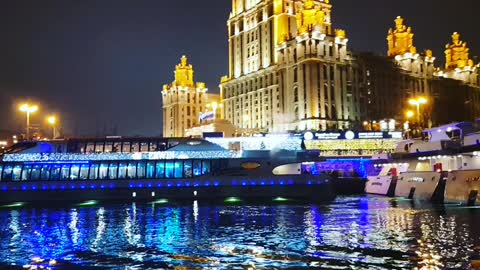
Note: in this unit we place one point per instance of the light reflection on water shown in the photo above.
(351, 233)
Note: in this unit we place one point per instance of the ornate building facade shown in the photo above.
(290, 70)
(184, 101)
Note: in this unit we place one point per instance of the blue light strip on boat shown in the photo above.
(151, 185)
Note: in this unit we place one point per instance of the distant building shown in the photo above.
(453, 92)
(290, 70)
(184, 101)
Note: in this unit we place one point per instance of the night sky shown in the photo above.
(101, 64)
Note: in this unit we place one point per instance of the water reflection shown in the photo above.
(352, 233)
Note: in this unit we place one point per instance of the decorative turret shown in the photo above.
(400, 40)
(184, 74)
(457, 54)
(310, 18)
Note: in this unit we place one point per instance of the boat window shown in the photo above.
(178, 169)
(99, 147)
(122, 170)
(93, 172)
(135, 147)
(132, 170)
(7, 172)
(16, 172)
(169, 169)
(84, 172)
(150, 170)
(103, 171)
(126, 147)
(187, 169)
(141, 170)
(112, 171)
(153, 146)
(36, 172)
(54, 172)
(197, 168)
(45, 173)
(74, 172)
(90, 148)
(117, 147)
(144, 147)
(160, 169)
(205, 167)
(455, 134)
(65, 174)
(108, 147)
(26, 172)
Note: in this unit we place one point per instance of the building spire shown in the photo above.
(310, 18)
(400, 40)
(184, 73)
(457, 54)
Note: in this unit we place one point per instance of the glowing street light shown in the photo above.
(409, 114)
(28, 109)
(52, 120)
(418, 102)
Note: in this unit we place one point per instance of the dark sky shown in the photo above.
(102, 63)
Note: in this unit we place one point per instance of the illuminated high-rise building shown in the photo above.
(184, 101)
(289, 70)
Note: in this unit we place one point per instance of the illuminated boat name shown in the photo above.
(416, 179)
(473, 179)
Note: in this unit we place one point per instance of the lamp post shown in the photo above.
(418, 102)
(52, 120)
(28, 109)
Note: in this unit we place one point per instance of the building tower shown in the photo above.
(458, 65)
(288, 69)
(183, 101)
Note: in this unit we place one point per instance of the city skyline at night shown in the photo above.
(102, 65)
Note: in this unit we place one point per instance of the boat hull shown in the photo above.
(380, 185)
(419, 185)
(463, 187)
(298, 187)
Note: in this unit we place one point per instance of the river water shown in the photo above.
(350, 233)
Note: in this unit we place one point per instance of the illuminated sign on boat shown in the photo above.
(473, 179)
(416, 179)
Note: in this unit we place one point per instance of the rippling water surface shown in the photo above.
(350, 233)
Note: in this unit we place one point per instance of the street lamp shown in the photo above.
(418, 102)
(409, 114)
(52, 120)
(28, 109)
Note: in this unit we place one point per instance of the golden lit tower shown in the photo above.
(458, 65)
(400, 40)
(183, 101)
(457, 54)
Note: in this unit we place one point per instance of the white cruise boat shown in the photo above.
(444, 166)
